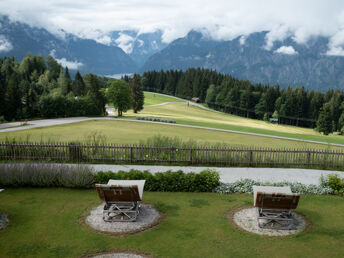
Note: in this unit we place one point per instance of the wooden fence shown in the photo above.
(143, 154)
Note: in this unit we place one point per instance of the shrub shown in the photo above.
(245, 186)
(168, 181)
(45, 175)
(335, 182)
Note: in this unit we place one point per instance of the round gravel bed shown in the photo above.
(147, 218)
(118, 255)
(247, 220)
(3, 220)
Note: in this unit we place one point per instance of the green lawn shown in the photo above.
(48, 223)
(122, 132)
(191, 115)
(152, 98)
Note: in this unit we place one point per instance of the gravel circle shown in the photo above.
(118, 255)
(147, 218)
(3, 220)
(247, 220)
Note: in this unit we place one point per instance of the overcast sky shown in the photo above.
(221, 19)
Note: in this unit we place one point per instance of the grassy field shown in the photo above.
(152, 98)
(49, 223)
(191, 115)
(123, 132)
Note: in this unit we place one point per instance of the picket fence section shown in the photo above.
(145, 154)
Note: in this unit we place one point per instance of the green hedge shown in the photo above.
(168, 181)
(55, 175)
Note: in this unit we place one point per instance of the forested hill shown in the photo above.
(295, 106)
(285, 62)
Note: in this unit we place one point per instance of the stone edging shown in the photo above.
(230, 217)
(128, 251)
(84, 215)
(8, 222)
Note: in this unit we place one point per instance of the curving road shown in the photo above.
(10, 127)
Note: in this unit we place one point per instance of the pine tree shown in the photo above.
(137, 96)
(78, 85)
(324, 123)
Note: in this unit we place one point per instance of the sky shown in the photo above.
(219, 19)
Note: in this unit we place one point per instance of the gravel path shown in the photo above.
(147, 217)
(247, 220)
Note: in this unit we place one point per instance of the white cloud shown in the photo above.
(72, 65)
(125, 42)
(222, 19)
(286, 50)
(336, 44)
(5, 44)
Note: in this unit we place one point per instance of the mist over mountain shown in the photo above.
(252, 57)
(284, 62)
(18, 39)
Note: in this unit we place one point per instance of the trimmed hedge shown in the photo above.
(168, 181)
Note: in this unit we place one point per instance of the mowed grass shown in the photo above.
(127, 132)
(191, 115)
(49, 223)
(152, 98)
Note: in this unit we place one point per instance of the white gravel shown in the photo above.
(147, 217)
(247, 220)
(118, 255)
(3, 220)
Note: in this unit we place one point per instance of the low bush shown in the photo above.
(45, 175)
(155, 119)
(245, 186)
(168, 181)
(335, 183)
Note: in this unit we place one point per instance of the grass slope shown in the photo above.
(47, 223)
(152, 98)
(123, 132)
(191, 115)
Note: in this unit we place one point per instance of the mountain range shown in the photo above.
(285, 62)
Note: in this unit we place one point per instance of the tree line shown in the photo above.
(40, 87)
(293, 106)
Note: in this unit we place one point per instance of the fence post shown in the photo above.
(131, 154)
(191, 156)
(251, 157)
(309, 158)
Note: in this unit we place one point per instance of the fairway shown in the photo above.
(195, 225)
(127, 132)
(191, 115)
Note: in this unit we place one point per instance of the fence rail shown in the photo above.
(142, 154)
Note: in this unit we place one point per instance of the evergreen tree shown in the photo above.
(324, 123)
(78, 85)
(137, 96)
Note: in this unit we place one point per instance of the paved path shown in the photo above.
(232, 174)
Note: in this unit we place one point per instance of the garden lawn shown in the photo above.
(125, 132)
(49, 223)
(191, 115)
